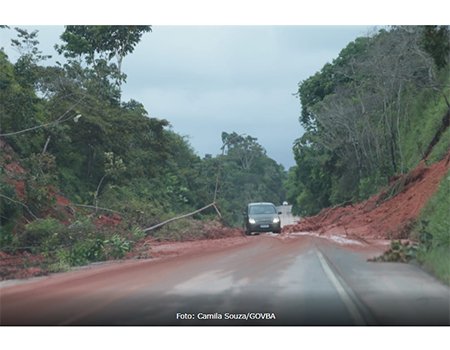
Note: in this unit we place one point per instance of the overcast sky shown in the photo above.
(209, 79)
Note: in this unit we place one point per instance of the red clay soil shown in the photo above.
(154, 249)
(382, 216)
(214, 234)
(13, 171)
(112, 220)
(20, 265)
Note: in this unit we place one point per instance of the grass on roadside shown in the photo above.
(433, 230)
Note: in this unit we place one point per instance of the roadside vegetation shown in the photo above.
(372, 115)
(84, 172)
(433, 231)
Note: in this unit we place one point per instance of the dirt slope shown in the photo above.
(387, 215)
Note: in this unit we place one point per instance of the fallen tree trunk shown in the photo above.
(183, 216)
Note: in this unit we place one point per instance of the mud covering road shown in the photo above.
(291, 279)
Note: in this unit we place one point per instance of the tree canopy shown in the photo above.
(68, 123)
(360, 111)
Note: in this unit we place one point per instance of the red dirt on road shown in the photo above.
(170, 249)
(215, 235)
(381, 216)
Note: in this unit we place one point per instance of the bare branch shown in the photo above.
(180, 217)
(22, 204)
(60, 119)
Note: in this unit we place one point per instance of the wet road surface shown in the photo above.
(269, 280)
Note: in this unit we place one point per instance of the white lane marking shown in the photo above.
(351, 307)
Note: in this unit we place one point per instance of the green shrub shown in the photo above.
(81, 252)
(9, 212)
(369, 186)
(137, 233)
(58, 266)
(40, 231)
(437, 260)
(81, 227)
(116, 247)
(435, 215)
(426, 110)
(441, 148)
(398, 252)
(9, 208)
(84, 243)
(8, 240)
(97, 247)
(433, 232)
(41, 176)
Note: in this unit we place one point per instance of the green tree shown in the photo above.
(357, 112)
(98, 45)
(247, 174)
(436, 41)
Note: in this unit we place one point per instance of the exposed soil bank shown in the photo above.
(386, 215)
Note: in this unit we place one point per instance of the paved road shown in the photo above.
(268, 280)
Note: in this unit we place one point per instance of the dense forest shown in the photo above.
(67, 135)
(370, 115)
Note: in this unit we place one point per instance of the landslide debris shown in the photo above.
(389, 214)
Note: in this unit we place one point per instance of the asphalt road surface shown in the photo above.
(267, 280)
